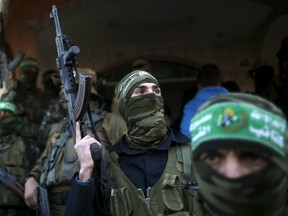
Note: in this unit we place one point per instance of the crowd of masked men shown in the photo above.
(231, 162)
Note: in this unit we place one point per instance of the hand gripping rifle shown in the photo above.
(42, 204)
(77, 98)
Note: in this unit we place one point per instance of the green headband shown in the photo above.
(8, 106)
(29, 62)
(239, 121)
(127, 84)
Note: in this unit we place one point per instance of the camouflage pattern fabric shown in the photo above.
(263, 192)
(111, 128)
(164, 198)
(13, 158)
(250, 195)
(126, 85)
(55, 113)
(144, 115)
(32, 108)
(145, 121)
(58, 162)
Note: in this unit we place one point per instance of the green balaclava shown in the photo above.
(248, 123)
(144, 115)
(29, 69)
(8, 123)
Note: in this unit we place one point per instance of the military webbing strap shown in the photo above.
(184, 156)
(54, 148)
(104, 174)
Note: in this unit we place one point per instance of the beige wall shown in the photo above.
(29, 29)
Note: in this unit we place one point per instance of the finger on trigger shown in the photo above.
(78, 132)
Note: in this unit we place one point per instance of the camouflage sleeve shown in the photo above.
(111, 128)
(37, 169)
(55, 113)
(32, 151)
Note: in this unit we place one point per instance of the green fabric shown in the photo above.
(166, 195)
(231, 121)
(106, 130)
(29, 62)
(32, 108)
(13, 158)
(262, 193)
(126, 85)
(8, 106)
(61, 161)
(251, 124)
(144, 116)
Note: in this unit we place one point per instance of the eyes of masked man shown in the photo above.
(145, 166)
(239, 149)
(234, 163)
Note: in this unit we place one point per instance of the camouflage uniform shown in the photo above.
(16, 158)
(146, 173)
(58, 162)
(32, 110)
(51, 88)
(167, 196)
(13, 158)
(56, 112)
(147, 139)
(30, 99)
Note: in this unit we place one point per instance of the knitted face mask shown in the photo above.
(145, 121)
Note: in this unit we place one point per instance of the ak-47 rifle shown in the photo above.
(4, 70)
(77, 97)
(3, 56)
(42, 204)
(10, 181)
(7, 63)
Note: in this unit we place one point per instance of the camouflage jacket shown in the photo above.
(58, 162)
(14, 158)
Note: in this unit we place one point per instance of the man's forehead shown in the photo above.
(233, 149)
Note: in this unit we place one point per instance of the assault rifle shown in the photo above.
(5, 67)
(76, 97)
(10, 181)
(6, 56)
(42, 208)
(4, 70)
